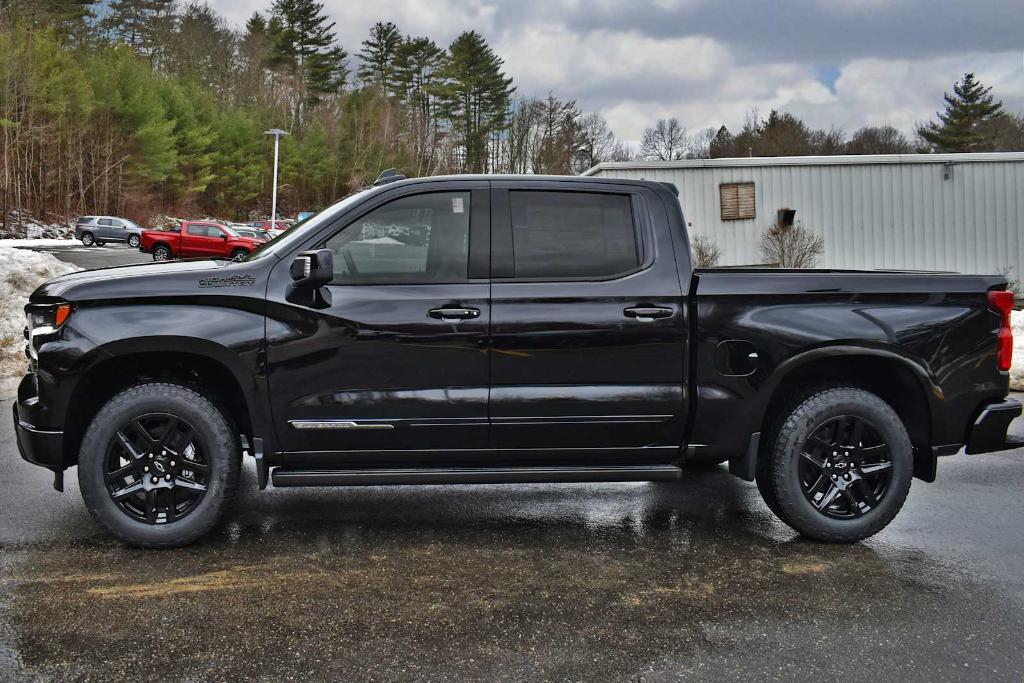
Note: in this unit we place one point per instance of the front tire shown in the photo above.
(159, 465)
(161, 252)
(239, 254)
(133, 241)
(838, 466)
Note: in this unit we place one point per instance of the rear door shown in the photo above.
(588, 324)
(202, 239)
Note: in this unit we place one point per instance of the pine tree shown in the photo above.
(303, 46)
(66, 16)
(138, 23)
(378, 56)
(962, 124)
(475, 99)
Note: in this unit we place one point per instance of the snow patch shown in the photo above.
(40, 242)
(21, 271)
(1017, 365)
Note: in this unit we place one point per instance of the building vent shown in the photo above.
(737, 201)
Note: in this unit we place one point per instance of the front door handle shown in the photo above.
(450, 314)
(647, 314)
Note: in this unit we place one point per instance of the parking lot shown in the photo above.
(682, 581)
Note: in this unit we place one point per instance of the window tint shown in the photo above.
(423, 238)
(106, 221)
(201, 230)
(572, 234)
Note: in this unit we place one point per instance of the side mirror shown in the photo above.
(313, 268)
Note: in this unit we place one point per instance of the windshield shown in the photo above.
(286, 240)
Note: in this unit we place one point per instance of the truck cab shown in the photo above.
(502, 329)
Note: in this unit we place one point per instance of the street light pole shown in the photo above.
(277, 133)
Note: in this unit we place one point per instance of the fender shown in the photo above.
(931, 390)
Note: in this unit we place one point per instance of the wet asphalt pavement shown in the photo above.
(97, 257)
(518, 582)
(684, 581)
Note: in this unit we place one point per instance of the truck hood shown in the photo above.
(157, 279)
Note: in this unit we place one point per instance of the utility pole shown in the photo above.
(277, 133)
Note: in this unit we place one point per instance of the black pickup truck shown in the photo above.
(492, 329)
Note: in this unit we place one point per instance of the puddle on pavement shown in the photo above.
(578, 582)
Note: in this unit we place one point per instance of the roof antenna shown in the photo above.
(388, 176)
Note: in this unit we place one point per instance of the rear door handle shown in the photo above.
(450, 314)
(647, 314)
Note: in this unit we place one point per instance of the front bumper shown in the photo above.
(39, 446)
(988, 433)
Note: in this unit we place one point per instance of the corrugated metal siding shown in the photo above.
(884, 215)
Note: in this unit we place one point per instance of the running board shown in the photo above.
(473, 475)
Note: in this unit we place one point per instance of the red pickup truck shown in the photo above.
(196, 238)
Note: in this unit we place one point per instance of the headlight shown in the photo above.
(44, 319)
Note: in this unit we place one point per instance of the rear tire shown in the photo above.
(161, 252)
(837, 467)
(133, 241)
(159, 465)
(87, 239)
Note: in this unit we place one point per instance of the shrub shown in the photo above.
(706, 253)
(791, 246)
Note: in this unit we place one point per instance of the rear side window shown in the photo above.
(106, 221)
(572, 234)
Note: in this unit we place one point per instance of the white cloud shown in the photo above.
(639, 62)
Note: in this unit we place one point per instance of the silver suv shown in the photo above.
(102, 229)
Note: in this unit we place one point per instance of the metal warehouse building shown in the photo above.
(957, 212)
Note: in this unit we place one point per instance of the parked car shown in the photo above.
(279, 225)
(498, 329)
(255, 233)
(196, 238)
(99, 230)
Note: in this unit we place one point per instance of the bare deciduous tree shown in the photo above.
(666, 141)
(791, 246)
(706, 253)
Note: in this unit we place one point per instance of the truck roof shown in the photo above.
(532, 179)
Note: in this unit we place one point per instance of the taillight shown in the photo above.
(1002, 303)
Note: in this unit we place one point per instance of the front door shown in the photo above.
(388, 364)
(588, 326)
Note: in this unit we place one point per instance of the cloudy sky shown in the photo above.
(843, 63)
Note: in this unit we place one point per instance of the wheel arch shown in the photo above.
(209, 367)
(901, 382)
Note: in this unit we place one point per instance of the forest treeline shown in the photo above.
(156, 106)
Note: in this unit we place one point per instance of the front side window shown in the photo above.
(572, 234)
(419, 239)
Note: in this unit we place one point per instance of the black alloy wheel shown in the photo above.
(836, 464)
(159, 464)
(156, 468)
(845, 469)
